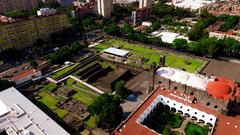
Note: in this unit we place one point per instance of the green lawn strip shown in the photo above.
(59, 73)
(83, 68)
(49, 87)
(61, 112)
(47, 99)
(92, 121)
(84, 97)
(193, 129)
(175, 121)
(152, 54)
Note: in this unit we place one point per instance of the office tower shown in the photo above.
(145, 4)
(105, 8)
(18, 5)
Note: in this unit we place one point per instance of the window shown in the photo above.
(191, 93)
(175, 88)
(195, 112)
(159, 82)
(208, 104)
(167, 101)
(211, 119)
(188, 110)
(215, 106)
(180, 106)
(174, 104)
(203, 116)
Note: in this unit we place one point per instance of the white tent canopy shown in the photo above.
(193, 80)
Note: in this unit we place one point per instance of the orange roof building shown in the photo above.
(219, 124)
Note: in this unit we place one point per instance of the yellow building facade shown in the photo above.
(24, 33)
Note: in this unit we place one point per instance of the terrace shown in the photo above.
(66, 107)
(151, 55)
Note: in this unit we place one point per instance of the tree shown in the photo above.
(156, 25)
(179, 44)
(194, 47)
(4, 84)
(53, 4)
(210, 47)
(120, 89)
(12, 54)
(107, 109)
(33, 63)
(41, 4)
(112, 29)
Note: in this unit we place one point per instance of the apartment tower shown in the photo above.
(17, 5)
(105, 8)
(145, 4)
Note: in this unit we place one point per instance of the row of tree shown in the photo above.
(65, 53)
(210, 47)
(161, 9)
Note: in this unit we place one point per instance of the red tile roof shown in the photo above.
(24, 74)
(131, 127)
(221, 88)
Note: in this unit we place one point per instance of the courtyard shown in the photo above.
(150, 55)
(68, 101)
(164, 120)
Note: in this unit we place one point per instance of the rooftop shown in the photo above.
(183, 77)
(191, 4)
(168, 37)
(115, 51)
(224, 124)
(23, 118)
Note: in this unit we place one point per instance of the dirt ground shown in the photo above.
(230, 70)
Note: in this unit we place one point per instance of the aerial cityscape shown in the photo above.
(119, 67)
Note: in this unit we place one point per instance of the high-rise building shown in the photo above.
(105, 8)
(145, 3)
(24, 33)
(11, 5)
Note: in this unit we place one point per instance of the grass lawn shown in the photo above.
(47, 99)
(49, 87)
(92, 121)
(83, 68)
(59, 73)
(175, 121)
(172, 60)
(84, 94)
(193, 129)
(60, 112)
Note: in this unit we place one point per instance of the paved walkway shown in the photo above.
(78, 80)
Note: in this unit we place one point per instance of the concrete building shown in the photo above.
(46, 11)
(105, 8)
(83, 9)
(19, 116)
(115, 54)
(18, 5)
(185, 104)
(193, 5)
(145, 4)
(23, 33)
(140, 15)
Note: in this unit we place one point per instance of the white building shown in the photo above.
(29, 75)
(19, 116)
(105, 8)
(145, 4)
(193, 5)
(168, 37)
(183, 77)
(46, 11)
